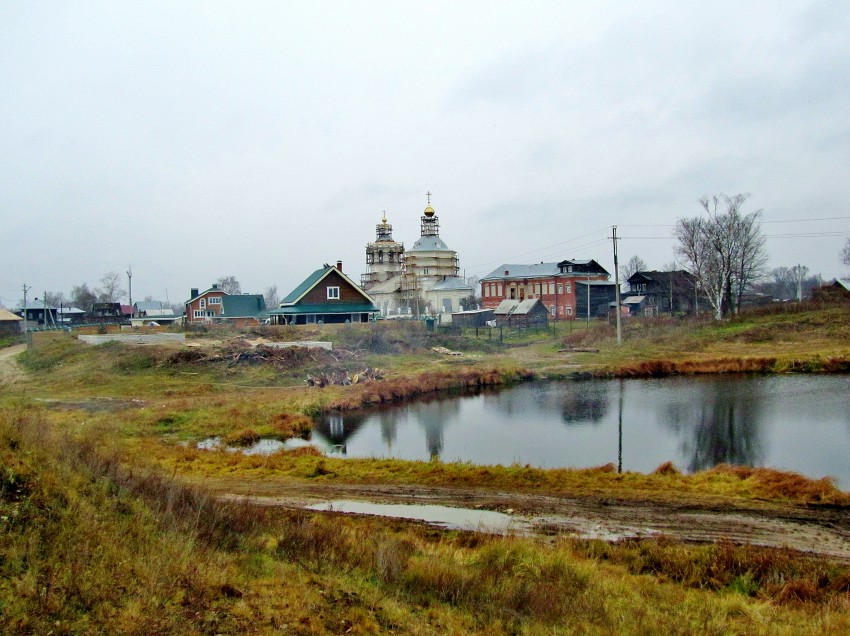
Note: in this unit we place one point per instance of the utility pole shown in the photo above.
(46, 312)
(799, 283)
(617, 285)
(130, 283)
(26, 289)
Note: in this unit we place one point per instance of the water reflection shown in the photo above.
(719, 422)
(795, 423)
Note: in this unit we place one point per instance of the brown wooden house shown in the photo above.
(326, 296)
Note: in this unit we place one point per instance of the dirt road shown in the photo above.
(8, 367)
(819, 531)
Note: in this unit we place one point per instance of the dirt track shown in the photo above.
(8, 366)
(815, 530)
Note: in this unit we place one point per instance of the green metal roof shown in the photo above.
(314, 279)
(342, 308)
(308, 282)
(243, 305)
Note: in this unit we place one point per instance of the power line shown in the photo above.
(546, 247)
(824, 218)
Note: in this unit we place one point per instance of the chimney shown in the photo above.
(339, 265)
(193, 293)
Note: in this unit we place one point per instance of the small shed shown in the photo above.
(10, 324)
(522, 313)
(472, 318)
(636, 305)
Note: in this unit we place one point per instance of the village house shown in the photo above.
(214, 305)
(326, 296)
(661, 292)
(10, 324)
(556, 285)
(146, 312)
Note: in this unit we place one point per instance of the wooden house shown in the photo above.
(837, 290)
(10, 324)
(326, 296)
(594, 297)
(472, 318)
(665, 292)
(522, 313)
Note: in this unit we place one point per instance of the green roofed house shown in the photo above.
(216, 306)
(325, 296)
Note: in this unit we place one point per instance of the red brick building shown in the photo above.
(554, 284)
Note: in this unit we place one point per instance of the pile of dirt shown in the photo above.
(237, 352)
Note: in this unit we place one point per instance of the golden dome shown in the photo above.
(429, 211)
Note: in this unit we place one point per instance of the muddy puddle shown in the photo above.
(443, 516)
(264, 446)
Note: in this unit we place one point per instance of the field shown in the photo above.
(114, 522)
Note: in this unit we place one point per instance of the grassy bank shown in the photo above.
(109, 521)
(89, 545)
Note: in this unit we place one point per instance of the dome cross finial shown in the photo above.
(428, 194)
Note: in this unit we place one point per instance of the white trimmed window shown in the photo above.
(569, 288)
(198, 313)
(215, 300)
(202, 303)
(333, 293)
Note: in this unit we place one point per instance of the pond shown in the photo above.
(796, 423)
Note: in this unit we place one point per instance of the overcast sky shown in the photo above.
(194, 140)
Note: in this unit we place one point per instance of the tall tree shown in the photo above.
(82, 297)
(724, 250)
(635, 264)
(845, 253)
(229, 285)
(110, 290)
(271, 297)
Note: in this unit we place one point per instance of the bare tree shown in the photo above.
(82, 297)
(724, 250)
(781, 285)
(634, 265)
(845, 253)
(111, 291)
(229, 285)
(55, 299)
(271, 297)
